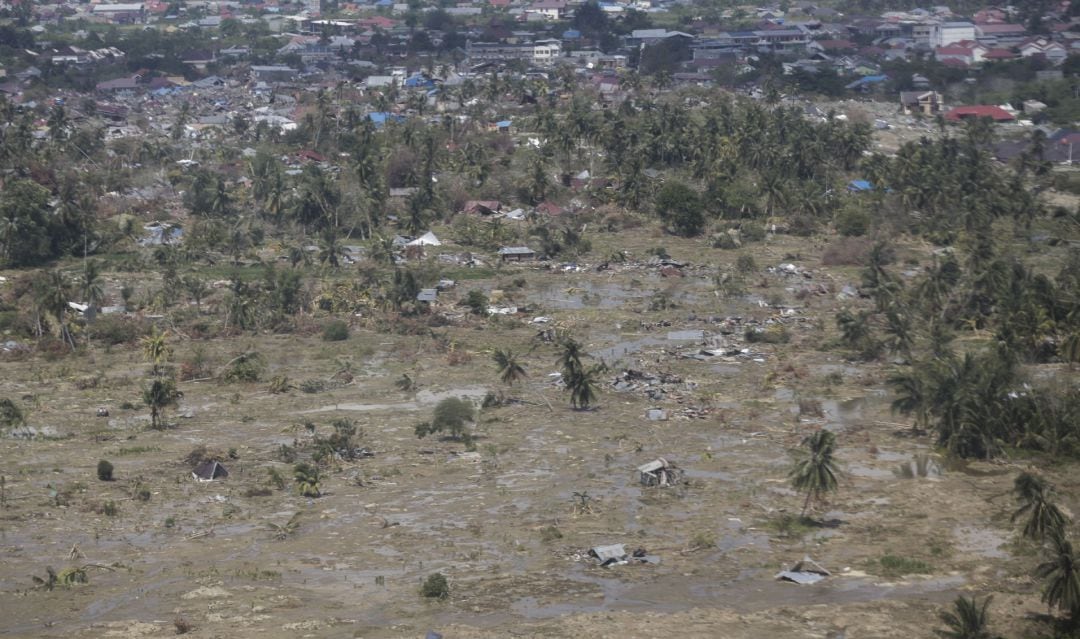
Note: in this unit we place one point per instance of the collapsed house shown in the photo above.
(616, 555)
(804, 572)
(659, 472)
(209, 470)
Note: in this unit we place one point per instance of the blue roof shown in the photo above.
(866, 80)
(571, 34)
(380, 117)
(503, 124)
(860, 185)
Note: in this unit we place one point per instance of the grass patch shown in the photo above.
(138, 450)
(790, 526)
(894, 566)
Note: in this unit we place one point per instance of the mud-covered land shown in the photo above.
(505, 523)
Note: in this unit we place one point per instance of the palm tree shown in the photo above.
(51, 293)
(815, 470)
(307, 480)
(1062, 572)
(92, 291)
(1043, 516)
(582, 387)
(156, 349)
(158, 396)
(510, 370)
(570, 358)
(967, 620)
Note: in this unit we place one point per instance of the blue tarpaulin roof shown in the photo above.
(860, 185)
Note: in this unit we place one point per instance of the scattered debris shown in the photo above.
(659, 472)
(804, 572)
(102, 411)
(616, 555)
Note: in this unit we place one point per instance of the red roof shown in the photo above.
(314, 156)
(999, 54)
(952, 51)
(836, 44)
(997, 114)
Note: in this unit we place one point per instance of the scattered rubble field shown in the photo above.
(701, 537)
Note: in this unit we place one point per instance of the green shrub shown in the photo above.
(477, 302)
(335, 331)
(246, 367)
(435, 587)
(751, 232)
(549, 534)
(852, 222)
(104, 471)
(894, 566)
(745, 263)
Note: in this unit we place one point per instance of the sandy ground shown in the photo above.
(203, 552)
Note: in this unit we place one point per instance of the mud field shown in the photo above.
(507, 523)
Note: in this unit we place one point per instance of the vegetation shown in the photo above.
(1042, 518)
(435, 587)
(335, 331)
(815, 472)
(453, 416)
(967, 620)
(104, 470)
(307, 480)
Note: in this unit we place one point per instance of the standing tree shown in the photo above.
(161, 394)
(680, 208)
(307, 480)
(815, 470)
(156, 350)
(510, 370)
(1044, 518)
(453, 416)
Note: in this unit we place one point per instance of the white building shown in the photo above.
(545, 51)
(950, 32)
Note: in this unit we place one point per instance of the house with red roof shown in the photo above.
(1000, 55)
(995, 113)
(1054, 52)
(967, 52)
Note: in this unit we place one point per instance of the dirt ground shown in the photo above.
(204, 552)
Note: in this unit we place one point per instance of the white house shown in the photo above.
(950, 32)
(546, 51)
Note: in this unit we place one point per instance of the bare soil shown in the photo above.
(204, 552)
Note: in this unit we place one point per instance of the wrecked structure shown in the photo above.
(659, 472)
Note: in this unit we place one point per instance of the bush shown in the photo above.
(751, 232)
(116, 329)
(104, 471)
(247, 367)
(435, 587)
(477, 302)
(452, 415)
(335, 331)
(745, 263)
(852, 222)
(894, 566)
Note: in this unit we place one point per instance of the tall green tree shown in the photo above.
(1061, 572)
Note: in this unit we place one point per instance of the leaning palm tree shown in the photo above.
(510, 370)
(1062, 574)
(815, 471)
(1044, 518)
(967, 620)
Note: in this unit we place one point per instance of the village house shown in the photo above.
(921, 102)
(516, 254)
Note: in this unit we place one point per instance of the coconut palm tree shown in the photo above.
(570, 358)
(815, 471)
(967, 620)
(52, 291)
(1061, 571)
(156, 350)
(582, 387)
(1044, 518)
(510, 370)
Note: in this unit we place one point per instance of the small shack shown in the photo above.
(659, 472)
(209, 470)
(607, 555)
(516, 254)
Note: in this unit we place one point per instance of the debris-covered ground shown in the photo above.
(511, 523)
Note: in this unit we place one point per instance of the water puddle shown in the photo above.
(423, 399)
